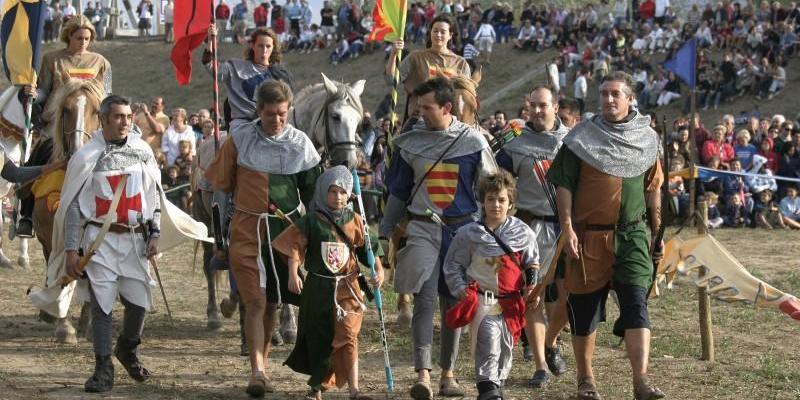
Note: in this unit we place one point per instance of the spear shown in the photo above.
(378, 299)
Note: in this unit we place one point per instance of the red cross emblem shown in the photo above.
(125, 205)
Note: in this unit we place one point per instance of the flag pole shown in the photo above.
(378, 298)
(692, 144)
(396, 80)
(215, 71)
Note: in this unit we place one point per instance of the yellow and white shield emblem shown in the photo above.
(335, 255)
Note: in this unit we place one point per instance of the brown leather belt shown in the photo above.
(449, 221)
(529, 217)
(119, 228)
(611, 227)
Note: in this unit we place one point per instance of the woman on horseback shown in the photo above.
(437, 58)
(75, 62)
(243, 76)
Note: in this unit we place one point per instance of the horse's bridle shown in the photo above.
(330, 146)
(66, 134)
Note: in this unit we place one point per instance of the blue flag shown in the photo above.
(684, 65)
(21, 39)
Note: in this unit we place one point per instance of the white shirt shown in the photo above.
(169, 13)
(552, 72)
(526, 33)
(145, 13)
(69, 10)
(661, 7)
(485, 31)
(581, 87)
(169, 143)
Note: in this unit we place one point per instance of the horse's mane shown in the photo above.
(344, 93)
(466, 92)
(55, 104)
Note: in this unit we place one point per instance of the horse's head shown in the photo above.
(72, 114)
(466, 97)
(342, 114)
(12, 123)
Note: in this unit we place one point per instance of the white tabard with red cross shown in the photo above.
(119, 266)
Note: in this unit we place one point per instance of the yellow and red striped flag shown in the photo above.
(389, 18)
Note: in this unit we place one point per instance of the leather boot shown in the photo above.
(103, 378)
(125, 352)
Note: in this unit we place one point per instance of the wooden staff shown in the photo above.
(215, 70)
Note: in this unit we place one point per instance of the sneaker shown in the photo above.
(555, 363)
(539, 379)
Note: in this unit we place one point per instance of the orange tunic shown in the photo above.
(253, 193)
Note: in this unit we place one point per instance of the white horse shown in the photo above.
(12, 118)
(330, 113)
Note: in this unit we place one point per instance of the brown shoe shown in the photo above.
(587, 389)
(421, 391)
(449, 387)
(645, 391)
(258, 385)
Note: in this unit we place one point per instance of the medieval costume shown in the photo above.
(492, 280)
(119, 266)
(332, 305)
(61, 68)
(424, 177)
(242, 79)
(528, 158)
(422, 65)
(608, 167)
(265, 174)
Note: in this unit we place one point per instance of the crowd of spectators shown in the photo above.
(764, 148)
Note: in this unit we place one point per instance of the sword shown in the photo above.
(161, 286)
(146, 235)
(438, 221)
(216, 220)
(98, 240)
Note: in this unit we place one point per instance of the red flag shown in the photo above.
(191, 22)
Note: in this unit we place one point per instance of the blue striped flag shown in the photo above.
(21, 30)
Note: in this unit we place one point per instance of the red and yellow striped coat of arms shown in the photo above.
(82, 73)
(441, 184)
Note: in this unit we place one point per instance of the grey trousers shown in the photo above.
(494, 349)
(422, 326)
(102, 331)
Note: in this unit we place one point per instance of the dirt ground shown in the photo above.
(756, 350)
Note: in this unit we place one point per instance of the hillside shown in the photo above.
(143, 70)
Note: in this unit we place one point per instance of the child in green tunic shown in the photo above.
(332, 304)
